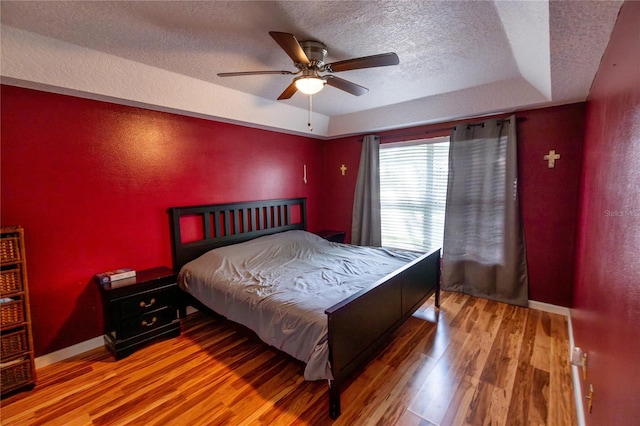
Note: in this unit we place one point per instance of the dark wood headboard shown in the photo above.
(197, 229)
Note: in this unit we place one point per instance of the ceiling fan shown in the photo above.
(309, 58)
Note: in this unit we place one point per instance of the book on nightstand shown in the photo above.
(118, 274)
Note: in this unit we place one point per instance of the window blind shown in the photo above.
(413, 193)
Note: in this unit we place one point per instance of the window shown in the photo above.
(413, 193)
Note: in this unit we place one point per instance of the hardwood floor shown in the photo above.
(473, 362)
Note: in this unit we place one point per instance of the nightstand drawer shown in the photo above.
(148, 301)
(148, 322)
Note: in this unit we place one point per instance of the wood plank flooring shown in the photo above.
(473, 362)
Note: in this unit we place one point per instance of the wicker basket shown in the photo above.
(11, 313)
(10, 281)
(14, 343)
(9, 249)
(16, 375)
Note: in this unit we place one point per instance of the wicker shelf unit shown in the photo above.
(16, 355)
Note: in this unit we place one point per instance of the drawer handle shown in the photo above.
(149, 324)
(146, 305)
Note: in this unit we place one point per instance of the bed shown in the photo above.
(333, 320)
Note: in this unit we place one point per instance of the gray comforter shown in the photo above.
(280, 285)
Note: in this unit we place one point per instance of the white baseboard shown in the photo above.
(575, 375)
(68, 352)
(547, 307)
(77, 349)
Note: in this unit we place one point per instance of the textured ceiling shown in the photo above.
(457, 58)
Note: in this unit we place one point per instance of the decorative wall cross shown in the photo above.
(551, 158)
(343, 169)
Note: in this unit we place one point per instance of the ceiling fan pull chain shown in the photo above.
(309, 121)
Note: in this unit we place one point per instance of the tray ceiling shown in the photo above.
(457, 58)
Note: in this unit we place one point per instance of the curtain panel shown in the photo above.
(366, 228)
(484, 252)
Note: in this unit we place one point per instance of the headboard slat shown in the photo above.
(261, 217)
(269, 211)
(244, 213)
(206, 219)
(216, 223)
(237, 215)
(227, 221)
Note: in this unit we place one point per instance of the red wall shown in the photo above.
(549, 197)
(606, 310)
(91, 181)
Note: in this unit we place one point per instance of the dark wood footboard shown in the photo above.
(362, 324)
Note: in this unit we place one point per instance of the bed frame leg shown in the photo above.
(334, 399)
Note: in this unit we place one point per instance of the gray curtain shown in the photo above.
(484, 252)
(366, 228)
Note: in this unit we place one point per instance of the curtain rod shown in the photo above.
(441, 129)
(424, 132)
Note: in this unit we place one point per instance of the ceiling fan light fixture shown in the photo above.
(309, 59)
(309, 85)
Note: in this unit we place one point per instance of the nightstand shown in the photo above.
(140, 310)
(330, 235)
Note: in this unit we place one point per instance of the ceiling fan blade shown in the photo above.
(288, 92)
(381, 60)
(289, 44)
(241, 73)
(347, 86)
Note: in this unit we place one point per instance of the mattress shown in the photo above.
(280, 285)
